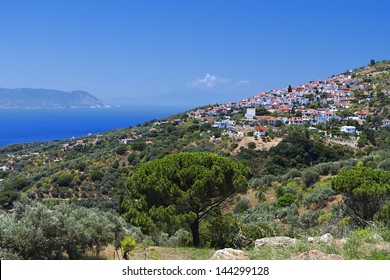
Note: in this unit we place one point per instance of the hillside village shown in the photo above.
(342, 98)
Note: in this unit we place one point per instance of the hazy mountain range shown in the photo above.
(47, 98)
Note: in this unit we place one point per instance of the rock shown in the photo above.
(317, 255)
(311, 239)
(275, 241)
(327, 238)
(230, 254)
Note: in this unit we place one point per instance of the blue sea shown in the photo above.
(36, 125)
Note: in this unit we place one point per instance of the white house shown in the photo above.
(250, 113)
(260, 131)
(127, 140)
(386, 123)
(348, 129)
(224, 124)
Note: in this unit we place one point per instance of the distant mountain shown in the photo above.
(47, 98)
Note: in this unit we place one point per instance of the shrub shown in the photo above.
(96, 175)
(241, 206)
(309, 177)
(310, 218)
(252, 145)
(286, 200)
(65, 180)
(121, 150)
(267, 180)
(384, 165)
(127, 244)
(180, 238)
(293, 173)
(319, 197)
(233, 146)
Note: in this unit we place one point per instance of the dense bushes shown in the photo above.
(39, 232)
(298, 151)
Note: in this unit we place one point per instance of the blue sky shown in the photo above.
(130, 51)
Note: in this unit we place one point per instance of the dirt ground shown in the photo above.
(260, 145)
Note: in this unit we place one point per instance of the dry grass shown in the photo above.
(159, 253)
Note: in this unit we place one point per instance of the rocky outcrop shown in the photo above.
(275, 241)
(230, 254)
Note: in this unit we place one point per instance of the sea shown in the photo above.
(41, 125)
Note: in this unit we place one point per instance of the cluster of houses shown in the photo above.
(333, 94)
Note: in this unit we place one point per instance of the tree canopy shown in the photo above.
(298, 151)
(365, 191)
(181, 189)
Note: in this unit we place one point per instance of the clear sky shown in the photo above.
(130, 51)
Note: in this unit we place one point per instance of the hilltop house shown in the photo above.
(260, 131)
(386, 123)
(127, 140)
(224, 124)
(250, 113)
(362, 115)
(348, 129)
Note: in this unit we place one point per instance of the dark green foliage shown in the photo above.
(261, 111)
(121, 150)
(64, 180)
(384, 215)
(81, 166)
(309, 177)
(7, 197)
(255, 159)
(366, 191)
(138, 146)
(181, 189)
(221, 231)
(133, 159)
(18, 183)
(96, 175)
(233, 146)
(297, 151)
(252, 145)
(3, 174)
(205, 126)
(286, 200)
